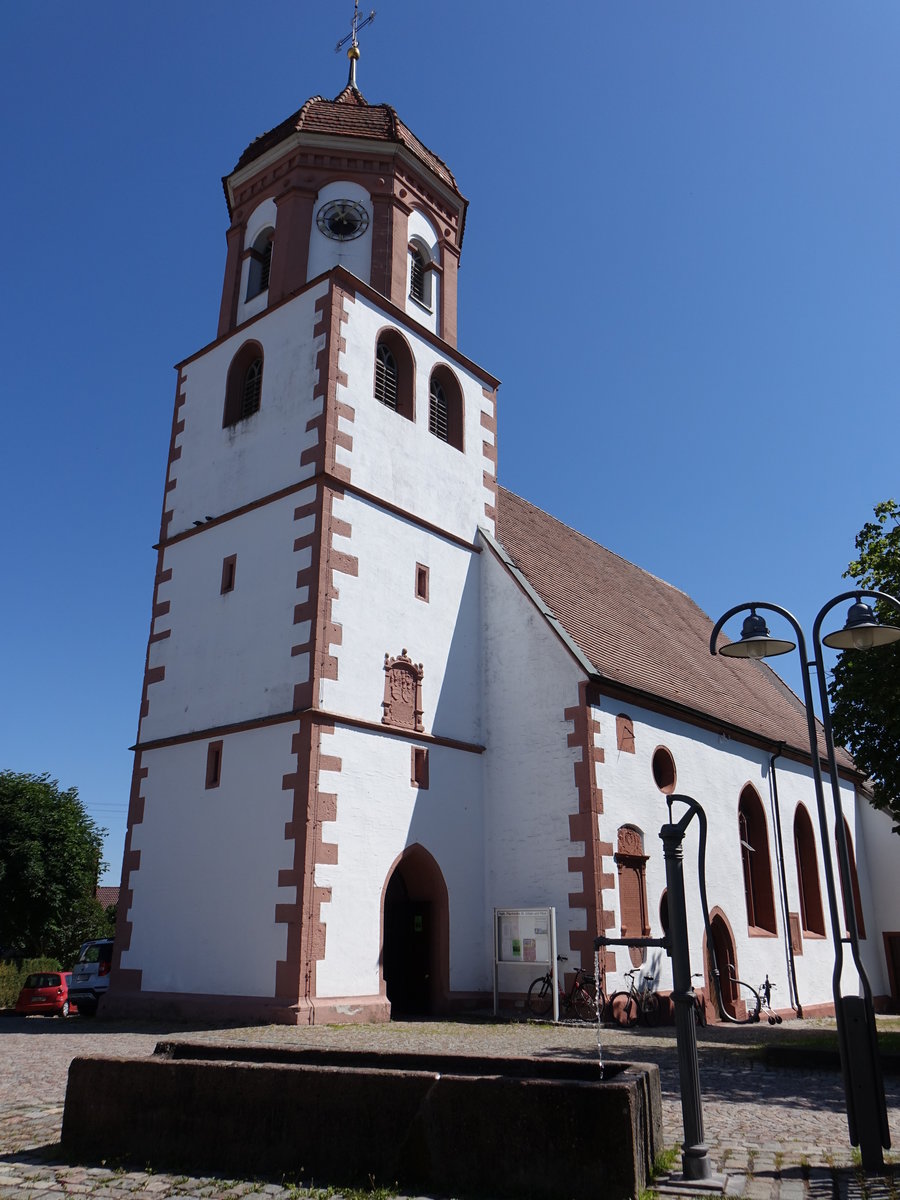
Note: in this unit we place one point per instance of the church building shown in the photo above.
(385, 697)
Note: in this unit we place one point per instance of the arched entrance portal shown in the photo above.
(416, 922)
(723, 953)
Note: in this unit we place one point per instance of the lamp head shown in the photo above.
(862, 630)
(756, 641)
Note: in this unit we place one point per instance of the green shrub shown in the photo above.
(13, 976)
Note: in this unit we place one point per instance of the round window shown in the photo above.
(664, 770)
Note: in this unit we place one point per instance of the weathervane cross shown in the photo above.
(352, 37)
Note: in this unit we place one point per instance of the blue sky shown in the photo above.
(681, 258)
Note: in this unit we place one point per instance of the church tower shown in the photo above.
(307, 790)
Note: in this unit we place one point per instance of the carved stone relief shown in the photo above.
(402, 702)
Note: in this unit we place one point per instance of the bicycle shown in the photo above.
(637, 1004)
(578, 998)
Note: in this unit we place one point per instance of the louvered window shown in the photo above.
(385, 377)
(260, 264)
(417, 275)
(252, 388)
(265, 266)
(437, 411)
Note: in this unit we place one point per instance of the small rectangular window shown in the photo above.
(229, 566)
(421, 582)
(419, 772)
(213, 764)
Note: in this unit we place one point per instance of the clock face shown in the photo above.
(342, 220)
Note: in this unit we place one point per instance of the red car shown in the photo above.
(46, 992)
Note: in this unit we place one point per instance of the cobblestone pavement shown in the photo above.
(776, 1134)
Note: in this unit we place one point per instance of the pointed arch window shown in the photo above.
(445, 407)
(243, 388)
(757, 867)
(260, 264)
(395, 373)
(854, 886)
(812, 919)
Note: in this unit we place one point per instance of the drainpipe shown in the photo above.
(779, 850)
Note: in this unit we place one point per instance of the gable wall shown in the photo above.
(529, 682)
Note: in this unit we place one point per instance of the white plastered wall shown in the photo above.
(421, 231)
(380, 613)
(354, 255)
(203, 912)
(379, 814)
(713, 769)
(879, 848)
(400, 460)
(262, 217)
(228, 657)
(529, 679)
(221, 469)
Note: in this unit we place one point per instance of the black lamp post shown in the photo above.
(854, 1015)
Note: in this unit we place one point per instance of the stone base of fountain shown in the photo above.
(545, 1128)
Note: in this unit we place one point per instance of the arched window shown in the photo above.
(395, 373)
(445, 407)
(854, 886)
(812, 919)
(260, 264)
(243, 388)
(755, 860)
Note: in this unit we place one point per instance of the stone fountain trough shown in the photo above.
(546, 1128)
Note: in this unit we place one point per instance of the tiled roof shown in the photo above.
(349, 115)
(108, 896)
(640, 632)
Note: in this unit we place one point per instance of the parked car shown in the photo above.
(90, 975)
(45, 992)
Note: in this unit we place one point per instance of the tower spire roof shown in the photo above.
(349, 114)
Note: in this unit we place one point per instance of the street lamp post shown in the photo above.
(854, 1015)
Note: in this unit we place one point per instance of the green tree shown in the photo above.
(50, 851)
(865, 686)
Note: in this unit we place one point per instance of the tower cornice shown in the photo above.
(344, 146)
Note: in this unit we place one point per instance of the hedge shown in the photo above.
(13, 976)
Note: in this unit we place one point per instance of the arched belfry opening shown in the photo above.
(415, 958)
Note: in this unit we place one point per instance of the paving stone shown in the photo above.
(791, 1125)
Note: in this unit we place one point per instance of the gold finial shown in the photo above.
(353, 53)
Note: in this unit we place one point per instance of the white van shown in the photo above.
(90, 975)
